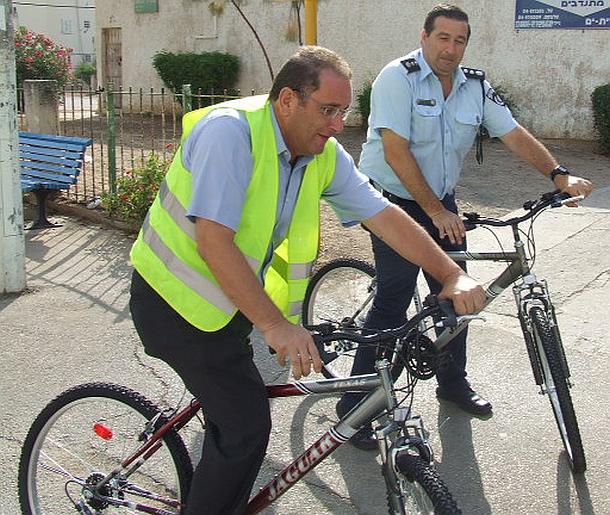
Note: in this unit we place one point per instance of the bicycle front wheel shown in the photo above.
(83, 435)
(419, 489)
(341, 291)
(549, 353)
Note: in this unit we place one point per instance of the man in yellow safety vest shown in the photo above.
(229, 243)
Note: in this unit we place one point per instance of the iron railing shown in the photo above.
(126, 126)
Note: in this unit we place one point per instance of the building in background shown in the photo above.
(70, 23)
(549, 74)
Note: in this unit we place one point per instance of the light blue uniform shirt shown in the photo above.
(440, 131)
(218, 154)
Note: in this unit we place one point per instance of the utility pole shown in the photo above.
(311, 22)
(12, 243)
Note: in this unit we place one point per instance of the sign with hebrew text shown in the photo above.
(562, 14)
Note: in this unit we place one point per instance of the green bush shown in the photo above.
(84, 71)
(38, 57)
(363, 101)
(136, 190)
(207, 71)
(600, 99)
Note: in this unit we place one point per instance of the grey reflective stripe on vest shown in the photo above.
(294, 272)
(197, 282)
(175, 210)
(300, 270)
(294, 309)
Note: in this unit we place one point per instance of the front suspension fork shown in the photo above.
(533, 292)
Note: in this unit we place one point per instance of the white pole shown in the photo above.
(12, 243)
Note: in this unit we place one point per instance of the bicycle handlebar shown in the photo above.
(441, 309)
(551, 199)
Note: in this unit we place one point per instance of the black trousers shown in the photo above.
(217, 368)
(396, 281)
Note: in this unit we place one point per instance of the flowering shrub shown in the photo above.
(136, 190)
(38, 57)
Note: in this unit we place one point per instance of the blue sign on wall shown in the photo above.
(562, 14)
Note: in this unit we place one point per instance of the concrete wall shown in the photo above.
(71, 24)
(549, 73)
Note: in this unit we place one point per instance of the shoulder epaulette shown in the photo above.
(473, 73)
(410, 64)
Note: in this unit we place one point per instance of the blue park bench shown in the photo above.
(49, 163)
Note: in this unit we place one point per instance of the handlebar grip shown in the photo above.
(445, 306)
(449, 316)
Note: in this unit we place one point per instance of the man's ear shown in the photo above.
(423, 36)
(287, 100)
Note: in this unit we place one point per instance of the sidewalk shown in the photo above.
(72, 326)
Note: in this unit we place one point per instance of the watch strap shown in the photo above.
(558, 170)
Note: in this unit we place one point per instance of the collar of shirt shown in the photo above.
(458, 76)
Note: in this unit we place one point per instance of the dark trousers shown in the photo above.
(217, 368)
(396, 281)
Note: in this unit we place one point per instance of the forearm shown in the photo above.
(398, 155)
(522, 143)
(528, 148)
(412, 242)
(235, 277)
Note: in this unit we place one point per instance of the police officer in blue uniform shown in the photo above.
(426, 111)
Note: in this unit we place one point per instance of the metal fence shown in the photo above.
(126, 126)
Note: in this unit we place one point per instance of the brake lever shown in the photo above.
(568, 200)
(459, 320)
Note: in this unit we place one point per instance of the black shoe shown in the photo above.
(363, 439)
(466, 399)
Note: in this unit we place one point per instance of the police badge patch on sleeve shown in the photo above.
(494, 97)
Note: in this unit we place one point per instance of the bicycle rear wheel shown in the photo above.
(341, 291)
(420, 489)
(83, 435)
(549, 353)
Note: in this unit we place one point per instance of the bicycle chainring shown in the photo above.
(420, 356)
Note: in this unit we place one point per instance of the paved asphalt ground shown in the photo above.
(73, 326)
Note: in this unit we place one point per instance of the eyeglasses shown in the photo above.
(330, 111)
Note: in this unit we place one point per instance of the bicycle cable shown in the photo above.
(496, 237)
(76, 506)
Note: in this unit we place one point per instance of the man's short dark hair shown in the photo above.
(448, 11)
(302, 71)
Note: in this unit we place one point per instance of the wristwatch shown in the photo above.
(558, 170)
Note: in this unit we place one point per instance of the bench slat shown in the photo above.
(44, 154)
(32, 184)
(72, 169)
(25, 136)
(52, 144)
(51, 161)
(41, 174)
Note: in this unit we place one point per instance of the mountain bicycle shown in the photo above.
(345, 288)
(100, 448)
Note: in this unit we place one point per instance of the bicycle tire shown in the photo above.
(549, 353)
(62, 450)
(340, 291)
(420, 489)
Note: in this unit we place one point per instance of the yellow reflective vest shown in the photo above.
(165, 252)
